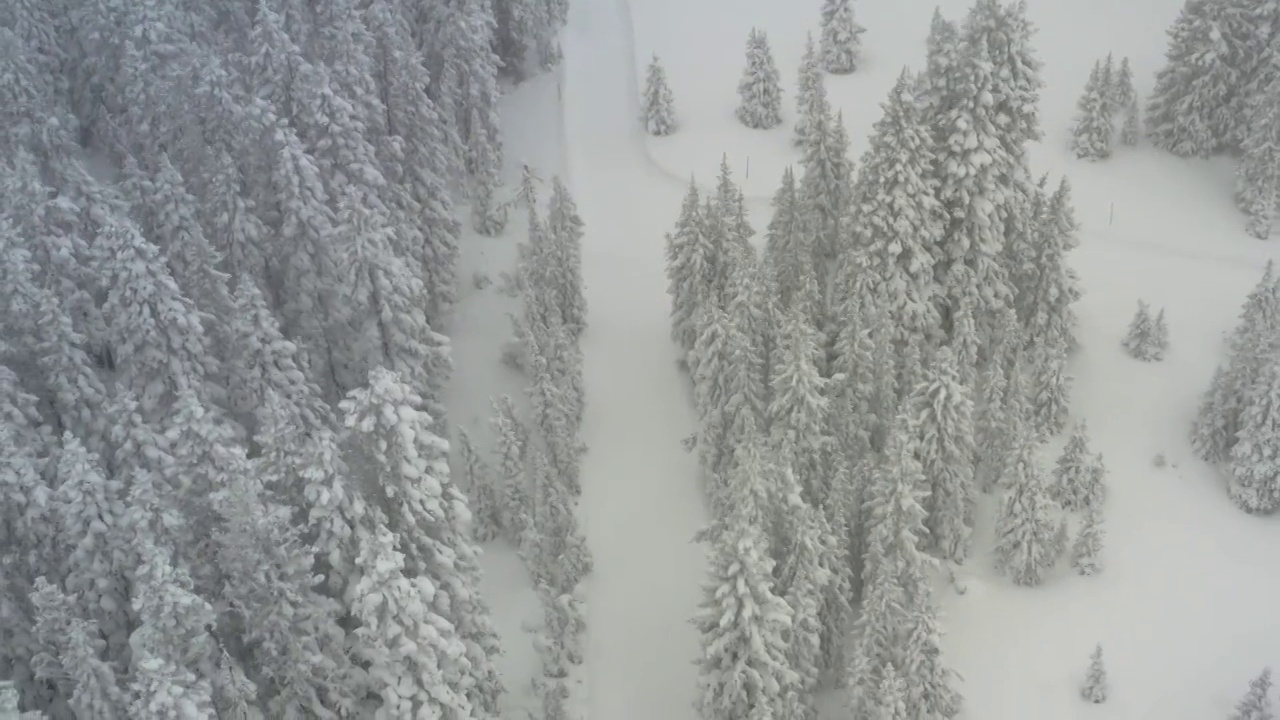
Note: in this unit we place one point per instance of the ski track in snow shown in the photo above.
(642, 499)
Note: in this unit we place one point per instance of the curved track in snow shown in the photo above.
(642, 500)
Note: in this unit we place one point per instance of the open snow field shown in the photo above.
(1185, 604)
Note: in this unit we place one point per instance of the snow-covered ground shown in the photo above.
(1184, 606)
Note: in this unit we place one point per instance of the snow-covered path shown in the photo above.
(641, 501)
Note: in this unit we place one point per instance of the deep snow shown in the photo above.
(1184, 605)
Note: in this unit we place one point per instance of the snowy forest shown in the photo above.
(229, 235)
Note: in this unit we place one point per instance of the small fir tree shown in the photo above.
(1088, 543)
(1027, 543)
(841, 37)
(1077, 481)
(1091, 134)
(658, 103)
(1256, 704)
(760, 89)
(1095, 682)
(1145, 340)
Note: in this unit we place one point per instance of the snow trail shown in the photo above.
(642, 501)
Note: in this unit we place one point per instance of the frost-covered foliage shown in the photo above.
(1147, 338)
(1256, 704)
(1257, 177)
(841, 37)
(1092, 133)
(1095, 688)
(217, 222)
(658, 104)
(760, 90)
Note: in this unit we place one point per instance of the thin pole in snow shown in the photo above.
(1112, 218)
(747, 174)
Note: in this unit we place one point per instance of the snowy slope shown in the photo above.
(1183, 607)
(641, 501)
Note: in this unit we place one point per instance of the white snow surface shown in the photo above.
(1185, 603)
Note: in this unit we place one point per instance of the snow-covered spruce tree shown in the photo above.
(1093, 130)
(889, 702)
(1052, 388)
(944, 416)
(1256, 704)
(931, 692)
(566, 228)
(1028, 521)
(893, 573)
(841, 37)
(1257, 177)
(798, 411)
(1002, 33)
(555, 548)
(689, 260)
(1142, 340)
(1126, 103)
(942, 50)
(788, 251)
(760, 90)
(510, 441)
(406, 465)
(811, 93)
(1160, 327)
(744, 670)
(1249, 351)
(1095, 687)
(1076, 485)
(1255, 459)
(1088, 543)
(658, 104)
(897, 220)
(1048, 286)
(478, 478)
(73, 656)
(824, 196)
(803, 581)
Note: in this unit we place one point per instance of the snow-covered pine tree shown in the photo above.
(478, 478)
(1051, 285)
(744, 670)
(1088, 543)
(1249, 351)
(72, 658)
(1093, 129)
(557, 549)
(510, 441)
(841, 37)
(760, 90)
(811, 93)
(1255, 459)
(1142, 340)
(894, 572)
(1028, 522)
(897, 219)
(566, 228)
(1076, 486)
(1095, 686)
(798, 412)
(1257, 177)
(407, 465)
(944, 417)
(803, 582)
(889, 702)
(658, 104)
(942, 50)
(788, 252)
(1160, 329)
(689, 260)
(1256, 704)
(931, 692)
(1126, 102)
(824, 197)
(1052, 387)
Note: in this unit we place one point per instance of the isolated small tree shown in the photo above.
(841, 37)
(1077, 482)
(760, 89)
(1144, 340)
(1095, 682)
(658, 103)
(1091, 134)
(1088, 543)
(1256, 704)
